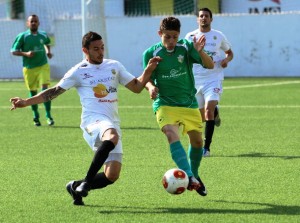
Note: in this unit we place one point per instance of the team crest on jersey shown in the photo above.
(180, 58)
(215, 37)
(41, 41)
(113, 71)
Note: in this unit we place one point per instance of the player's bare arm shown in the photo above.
(48, 51)
(229, 57)
(24, 54)
(43, 96)
(199, 46)
(138, 84)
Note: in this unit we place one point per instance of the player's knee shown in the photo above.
(209, 114)
(111, 135)
(171, 135)
(197, 144)
(113, 177)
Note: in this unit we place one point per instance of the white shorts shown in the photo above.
(93, 132)
(210, 91)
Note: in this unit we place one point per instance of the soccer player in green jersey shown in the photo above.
(172, 89)
(33, 46)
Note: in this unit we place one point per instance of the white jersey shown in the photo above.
(216, 45)
(97, 86)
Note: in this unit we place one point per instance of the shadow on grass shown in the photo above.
(269, 209)
(260, 155)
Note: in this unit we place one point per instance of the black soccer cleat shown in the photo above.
(77, 199)
(83, 189)
(201, 190)
(36, 122)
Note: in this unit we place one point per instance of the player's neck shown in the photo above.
(205, 29)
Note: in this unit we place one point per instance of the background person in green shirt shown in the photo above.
(33, 46)
(172, 88)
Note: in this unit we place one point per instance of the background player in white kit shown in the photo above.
(208, 82)
(96, 80)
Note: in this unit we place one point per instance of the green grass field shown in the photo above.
(252, 175)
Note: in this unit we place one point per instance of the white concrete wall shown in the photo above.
(264, 45)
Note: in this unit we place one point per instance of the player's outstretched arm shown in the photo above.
(43, 96)
(138, 84)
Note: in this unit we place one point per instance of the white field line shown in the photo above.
(229, 87)
(223, 106)
(262, 85)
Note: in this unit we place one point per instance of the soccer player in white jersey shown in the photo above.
(208, 82)
(96, 80)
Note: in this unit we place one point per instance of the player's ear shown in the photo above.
(159, 33)
(85, 50)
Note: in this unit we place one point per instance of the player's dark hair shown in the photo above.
(170, 23)
(33, 16)
(90, 37)
(206, 10)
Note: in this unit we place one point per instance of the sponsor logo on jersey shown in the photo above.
(86, 76)
(101, 91)
(217, 90)
(174, 74)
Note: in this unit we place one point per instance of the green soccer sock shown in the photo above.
(47, 106)
(48, 109)
(180, 158)
(195, 156)
(34, 108)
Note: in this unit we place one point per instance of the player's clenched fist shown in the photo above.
(17, 103)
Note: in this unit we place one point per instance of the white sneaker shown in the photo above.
(206, 153)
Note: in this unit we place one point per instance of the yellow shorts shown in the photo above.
(188, 118)
(35, 77)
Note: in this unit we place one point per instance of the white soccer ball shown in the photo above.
(175, 181)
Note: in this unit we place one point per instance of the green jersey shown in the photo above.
(26, 41)
(173, 75)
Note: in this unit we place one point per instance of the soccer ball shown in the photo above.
(175, 181)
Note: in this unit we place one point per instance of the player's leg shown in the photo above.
(103, 137)
(217, 116)
(111, 172)
(195, 155)
(30, 78)
(217, 112)
(112, 169)
(194, 128)
(212, 92)
(109, 140)
(209, 125)
(109, 176)
(167, 119)
(45, 82)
